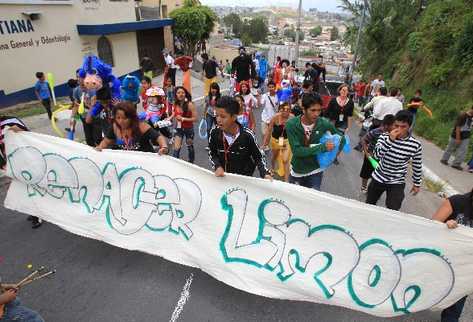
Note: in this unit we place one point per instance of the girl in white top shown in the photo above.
(249, 100)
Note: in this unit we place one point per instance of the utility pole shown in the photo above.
(358, 37)
(298, 30)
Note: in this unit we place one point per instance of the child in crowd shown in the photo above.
(43, 93)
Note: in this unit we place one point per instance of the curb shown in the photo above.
(447, 189)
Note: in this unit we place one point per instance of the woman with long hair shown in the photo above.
(277, 136)
(210, 105)
(454, 211)
(245, 117)
(249, 100)
(127, 132)
(185, 114)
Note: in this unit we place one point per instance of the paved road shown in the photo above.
(99, 282)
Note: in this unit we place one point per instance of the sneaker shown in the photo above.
(364, 190)
(458, 167)
(30, 218)
(444, 162)
(336, 162)
(207, 148)
(470, 170)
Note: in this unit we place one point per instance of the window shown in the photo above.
(104, 49)
(164, 9)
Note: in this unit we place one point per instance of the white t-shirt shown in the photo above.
(307, 132)
(170, 61)
(386, 106)
(270, 106)
(250, 102)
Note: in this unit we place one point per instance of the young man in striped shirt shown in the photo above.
(394, 151)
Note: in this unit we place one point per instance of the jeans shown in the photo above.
(453, 312)
(313, 181)
(458, 150)
(211, 121)
(14, 311)
(394, 194)
(470, 164)
(172, 75)
(189, 135)
(47, 105)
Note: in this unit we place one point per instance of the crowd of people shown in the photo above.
(294, 121)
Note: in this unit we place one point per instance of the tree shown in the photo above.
(334, 33)
(256, 30)
(234, 22)
(291, 33)
(193, 25)
(316, 31)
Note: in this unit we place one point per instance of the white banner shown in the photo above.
(268, 238)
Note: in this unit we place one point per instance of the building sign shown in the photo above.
(15, 26)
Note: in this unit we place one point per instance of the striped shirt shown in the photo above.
(394, 157)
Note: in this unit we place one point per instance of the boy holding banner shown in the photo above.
(233, 147)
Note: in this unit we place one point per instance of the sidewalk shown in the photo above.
(461, 181)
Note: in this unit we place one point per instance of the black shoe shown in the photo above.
(458, 167)
(357, 148)
(336, 162)
(30, 218)
(36, 223)
(444, 162)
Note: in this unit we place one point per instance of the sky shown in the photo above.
(322, 5)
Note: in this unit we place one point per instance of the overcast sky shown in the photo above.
(322, 5)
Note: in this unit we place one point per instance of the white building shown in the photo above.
(54, 36)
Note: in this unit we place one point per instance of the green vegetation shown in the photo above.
(316, 31)
(334, 34)
(252, 31)
(420, 44)
(310, 53)
(291, 33)
(193, 25)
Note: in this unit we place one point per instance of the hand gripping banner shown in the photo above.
(267, 238)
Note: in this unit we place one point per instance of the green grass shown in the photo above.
(28, 109)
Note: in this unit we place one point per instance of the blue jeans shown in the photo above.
(15, 312)
(470, 164)
(313, 181)
(211, 121)
(453, 312)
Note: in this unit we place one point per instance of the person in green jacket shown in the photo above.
(304, 133)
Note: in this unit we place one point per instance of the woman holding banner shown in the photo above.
(455, 210)
(128, 133)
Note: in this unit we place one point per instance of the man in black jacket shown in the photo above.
(243, 66)
(232, 147)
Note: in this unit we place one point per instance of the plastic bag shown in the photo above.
(203, 129)
(325, 159)
(347, 146)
